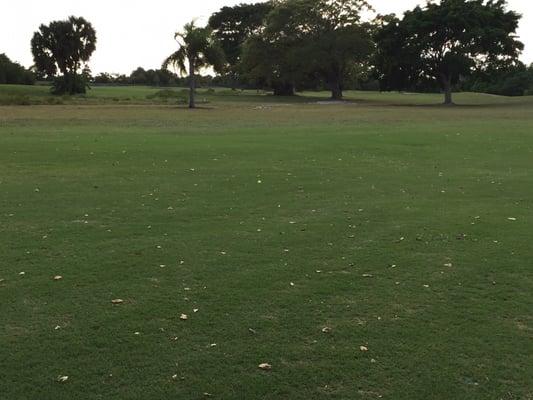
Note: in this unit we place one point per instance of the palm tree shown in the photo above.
(198, 49)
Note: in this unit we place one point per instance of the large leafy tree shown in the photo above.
(197, 49)
(318, 38)
(232, 26)
(446, 41)
(64, 47)
(271, 64)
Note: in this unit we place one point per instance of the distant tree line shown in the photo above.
(287, 46)
(14, 73)
(156, 78)
(140, 76)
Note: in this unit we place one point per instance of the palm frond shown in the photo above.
(177, 60)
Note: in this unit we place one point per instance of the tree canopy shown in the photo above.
(303, 39)
(232, 26)
(64, 47)
(445, 41)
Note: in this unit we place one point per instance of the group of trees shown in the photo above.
(140, 76)
(14, 73)
(313, 41)
(289, 45)
(446, 42)
(303, 43)
(512, 80)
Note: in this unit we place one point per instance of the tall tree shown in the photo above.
(446, 41)
(321, 38)
(232, 26)
(64, 47)
(197, 49)
(270, 64)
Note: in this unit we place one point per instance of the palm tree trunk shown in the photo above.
(192, 85)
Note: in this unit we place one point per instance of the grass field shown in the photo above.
(379, 248)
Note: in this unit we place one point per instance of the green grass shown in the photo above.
(143, 95)
(237, 202)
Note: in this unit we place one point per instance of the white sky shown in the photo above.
(136, 33)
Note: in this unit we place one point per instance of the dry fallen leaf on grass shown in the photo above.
(265, 366)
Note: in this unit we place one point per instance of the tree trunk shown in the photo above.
(192, 86)
(283, 89)
(447, 88)
(336, 90)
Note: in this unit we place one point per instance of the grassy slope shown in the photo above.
(14, 94)
(341, 185)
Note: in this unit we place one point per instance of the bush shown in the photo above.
(70, 84)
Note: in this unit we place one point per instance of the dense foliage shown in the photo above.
(64, 47)
(446, 41)
(506, 80)
(14, 73)
(309, 40)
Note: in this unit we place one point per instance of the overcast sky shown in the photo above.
(135, 33)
